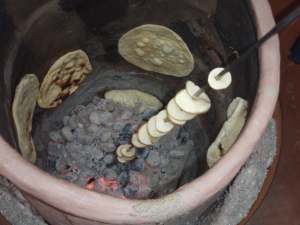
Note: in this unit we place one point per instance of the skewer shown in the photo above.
(281, 25)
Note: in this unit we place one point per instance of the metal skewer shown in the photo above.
(281, 25)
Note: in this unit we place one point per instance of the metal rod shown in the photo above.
(281, 25)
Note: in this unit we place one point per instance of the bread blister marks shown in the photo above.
(64, 78)
(158, 49)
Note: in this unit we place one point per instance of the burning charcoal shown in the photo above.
(123, 167)
(138, 165)
(90, 108)
(51, 164)
(110, 107)
(102, 167)
(83, 137)
(127, 129)
(73, 148)
(123, 179)
(83, 118)
(94, 152)
(105, 136)
(93, 128)
(153, 159)
(55, 149)
(125, 134)
(98, 157)
(116, 169)
(177, 154)
(148, 113)
(105, 116)
(117, 126)
(100, 105)
(95, 118)
(139, 180)
(73, 175)
(110, 174)
(91, 184)
(61, 165)
(174, 168)
(73, 123)
(96, 100)
(130, 190)
(142, 154)
(93, 148)
(164, 161)
(183, 137)
(154, 180)
(108, 147)
(67, 133)
(108, 186)
(109, 159)
(66, 120)
(56, 137)
(78, 109)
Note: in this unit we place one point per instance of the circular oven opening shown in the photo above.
(213, 36)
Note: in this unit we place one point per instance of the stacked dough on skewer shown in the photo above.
(185, 106)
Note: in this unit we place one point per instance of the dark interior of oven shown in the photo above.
(35, 33)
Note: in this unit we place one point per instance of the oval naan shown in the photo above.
(157, 48)
(133, 98)
(64, 78)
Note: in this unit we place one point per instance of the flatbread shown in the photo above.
(24, 103)
(133, 98)
(157, 48)
(236, 119)
(64, 78)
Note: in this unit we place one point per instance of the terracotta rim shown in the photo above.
(103, 208)
(271, 170)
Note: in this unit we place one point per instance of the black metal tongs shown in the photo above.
(281, 25)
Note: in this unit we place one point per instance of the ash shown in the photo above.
(82, 151)
(16, 209)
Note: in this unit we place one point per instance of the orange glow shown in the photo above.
(108, 185)
(91, 185)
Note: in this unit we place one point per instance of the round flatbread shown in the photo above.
(157, 48)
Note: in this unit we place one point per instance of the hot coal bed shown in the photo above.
(78, 140)
(83, 152)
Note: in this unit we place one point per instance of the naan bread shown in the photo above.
(133, 98)
(64, 78)
(236, 119)
(24, 103)
(157, 48)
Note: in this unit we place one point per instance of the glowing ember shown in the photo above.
(91, 184)
(108, 185)
(83, 152)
